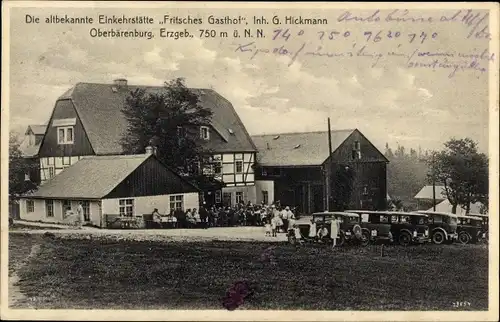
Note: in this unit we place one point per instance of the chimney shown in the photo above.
(120, 82)
(149, 150)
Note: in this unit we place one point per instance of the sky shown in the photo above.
(272, 93)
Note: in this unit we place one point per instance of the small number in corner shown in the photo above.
(461, 304)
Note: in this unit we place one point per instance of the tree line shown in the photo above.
(458, 166)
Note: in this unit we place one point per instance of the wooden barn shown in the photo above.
(293, 169)
(124, 185)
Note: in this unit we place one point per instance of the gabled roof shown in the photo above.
(93, 177)
(297, 149)
(426, 193)
(99, 108)
(445, 206)
(29, 151)
(37, 129)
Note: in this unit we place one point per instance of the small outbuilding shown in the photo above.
(123, 185)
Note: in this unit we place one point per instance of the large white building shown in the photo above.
(87, 120)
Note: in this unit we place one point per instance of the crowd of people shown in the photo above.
(274, 217)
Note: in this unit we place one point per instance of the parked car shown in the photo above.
(442, 226)
(484, 226)
(409, 228)
(377, 223)
(469, 229)
(350, 228)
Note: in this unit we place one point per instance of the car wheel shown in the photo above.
(438, 237)
(365, 238)
(464, 237)
(404, 239)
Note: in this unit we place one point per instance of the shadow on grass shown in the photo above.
(131, 275)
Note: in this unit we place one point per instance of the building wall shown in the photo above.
(264, 185)
(229, 175)
(151, 179)
(64, 109)
(40, 214)
(146, 204)
(230, 193)
(369, 153)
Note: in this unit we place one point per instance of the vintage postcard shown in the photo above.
(249, 161)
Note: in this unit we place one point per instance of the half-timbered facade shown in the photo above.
(294, 168)
(87, 120)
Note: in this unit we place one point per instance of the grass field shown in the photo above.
(179, 275)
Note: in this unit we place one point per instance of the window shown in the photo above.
(239, 197)
(86, 210)
(437, 219)
(384, 219)
(204, 132)
(50, 161)
(126, 207)
(238, 164)
(226, 196)
(66, 206)
(394, 219)
(30, 206)
(356, 150)
(49, 208)
(52, 172)
(66, 160)
(218, 167)
(265, 197)
(65, 135)
(177, 202)
(218, 196)
(27, 176)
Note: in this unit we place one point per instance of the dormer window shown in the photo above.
(65, 135)
(204, 132)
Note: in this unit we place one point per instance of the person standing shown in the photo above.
(80, 215)
(203, 217)
(334, 230)
(284, 217)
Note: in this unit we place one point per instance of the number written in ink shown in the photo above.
(332, 35)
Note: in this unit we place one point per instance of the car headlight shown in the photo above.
(415, 233)
(427, 232)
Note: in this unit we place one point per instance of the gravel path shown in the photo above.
(15, 294)
(218, 233)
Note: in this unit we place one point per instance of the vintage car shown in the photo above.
(484, 226)
(469, 229)
(377, 223)
(442, 226)
(409, 228)
(350, 229)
